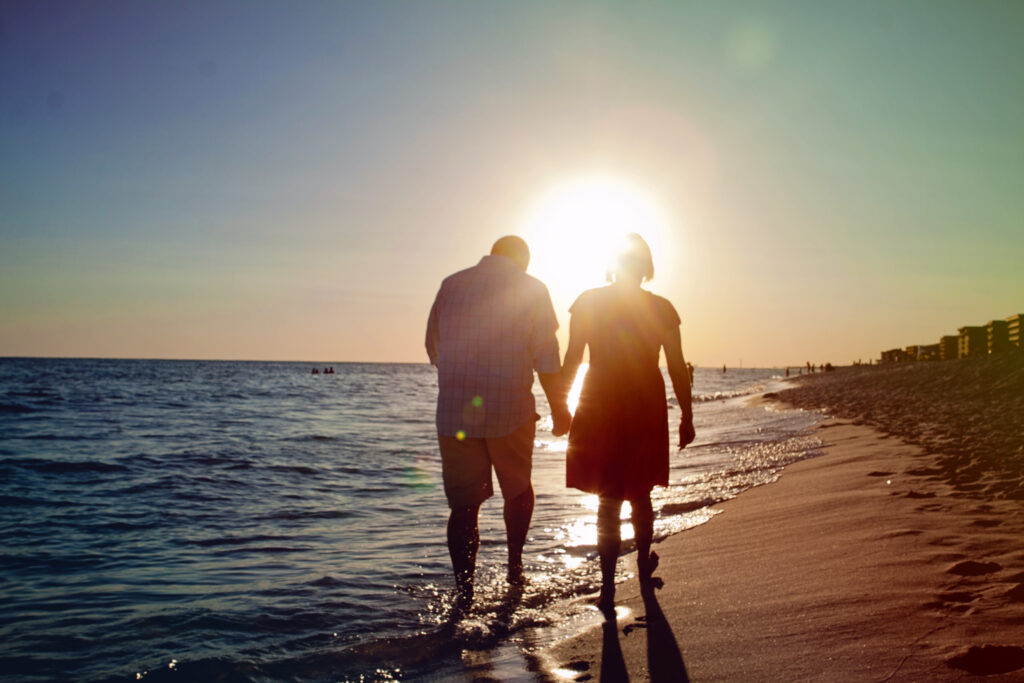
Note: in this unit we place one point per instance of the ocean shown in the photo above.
(252, 521)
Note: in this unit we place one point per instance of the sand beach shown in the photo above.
(895, 556)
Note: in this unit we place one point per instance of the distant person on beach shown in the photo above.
(491, 326)
(618, 441)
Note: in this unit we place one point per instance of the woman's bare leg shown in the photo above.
(643, 533)
(608, 540)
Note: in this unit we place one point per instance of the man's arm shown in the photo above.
(544, 350)
(551, 383)
(433, 333)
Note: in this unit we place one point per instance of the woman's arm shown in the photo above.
(574, 352)
(680, 377)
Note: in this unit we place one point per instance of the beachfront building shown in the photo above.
(949, 347)
(1013, 337)
(928, 352)
(894, 356)
(998, 334)
(973, 341)
(911, 352)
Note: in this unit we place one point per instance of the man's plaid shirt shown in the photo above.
(490, 327)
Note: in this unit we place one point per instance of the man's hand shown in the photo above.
(686, 433)
(562, 419)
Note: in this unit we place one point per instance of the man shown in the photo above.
(490, 327)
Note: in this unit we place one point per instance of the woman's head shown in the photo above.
(632, 260)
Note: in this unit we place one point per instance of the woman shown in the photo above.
(618, 442)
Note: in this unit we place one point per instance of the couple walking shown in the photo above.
(492, 326)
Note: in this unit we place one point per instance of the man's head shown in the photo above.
(514, 248)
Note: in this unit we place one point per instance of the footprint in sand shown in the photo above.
(958, 596)
(954, 601)
(925, 472)
(986, 660)
(974, 568)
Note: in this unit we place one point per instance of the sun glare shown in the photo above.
(574, 228)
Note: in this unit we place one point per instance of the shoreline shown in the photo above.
(867, 562)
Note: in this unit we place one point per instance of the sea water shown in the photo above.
(253, 521)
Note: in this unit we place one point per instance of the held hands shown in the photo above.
(562, 419)
(686, 432)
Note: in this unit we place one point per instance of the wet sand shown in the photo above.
(896, 555)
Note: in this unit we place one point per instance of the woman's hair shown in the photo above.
(633, 256)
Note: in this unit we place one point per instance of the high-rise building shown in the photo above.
(949, 347)
(997, 333)
(1013, 331)
(973, 341)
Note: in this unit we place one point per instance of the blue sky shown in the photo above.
(281, 180)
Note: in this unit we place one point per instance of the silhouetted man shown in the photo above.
(490, 327)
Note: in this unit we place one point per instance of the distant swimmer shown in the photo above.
(316, 371)
(723, 367)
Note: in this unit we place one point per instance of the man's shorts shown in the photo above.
(466, 465)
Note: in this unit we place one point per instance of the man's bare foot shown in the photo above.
(515, 575)
(463, 594)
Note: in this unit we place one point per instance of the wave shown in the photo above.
(15, 408)
(6, 501)
(297, 469)
(308, 514)
(687, 506)
(314, 437)
(234, 540)
(723, 395)
(64, 467)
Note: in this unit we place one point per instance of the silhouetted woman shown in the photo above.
(618, 442)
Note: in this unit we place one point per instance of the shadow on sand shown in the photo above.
(664, 659)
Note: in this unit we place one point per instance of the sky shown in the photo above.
(292, 180)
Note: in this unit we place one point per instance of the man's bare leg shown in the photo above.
(463, 543)
(518, 513)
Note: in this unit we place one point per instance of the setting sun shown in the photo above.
(574, 228)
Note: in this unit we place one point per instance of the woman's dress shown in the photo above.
(618, 442)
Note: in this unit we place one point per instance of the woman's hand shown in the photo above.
(561, 419)
(686, 433)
